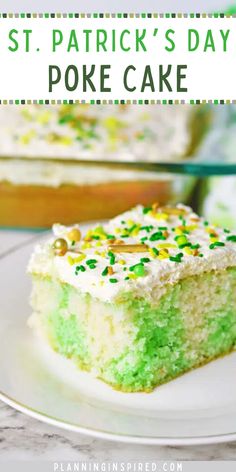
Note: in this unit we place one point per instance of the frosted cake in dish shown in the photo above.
(55, 152)
(80, 131)
(140, 300)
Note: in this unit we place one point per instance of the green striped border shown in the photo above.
(117, 102)
(117, 15)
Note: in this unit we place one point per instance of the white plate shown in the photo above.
(197, 408)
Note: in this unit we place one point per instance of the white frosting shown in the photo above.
(53, 174)
(133, 132)
(159, 272)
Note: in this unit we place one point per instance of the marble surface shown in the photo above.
(23, 438)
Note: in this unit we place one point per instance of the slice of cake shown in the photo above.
(140, 300)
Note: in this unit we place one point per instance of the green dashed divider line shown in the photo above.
(117, 15)
(116, 102)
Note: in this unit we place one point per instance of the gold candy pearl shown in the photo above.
(74, 235)
(60, 247)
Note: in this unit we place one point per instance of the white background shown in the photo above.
(113, 5)
(25, 75)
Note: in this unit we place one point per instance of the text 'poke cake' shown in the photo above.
(140, 300)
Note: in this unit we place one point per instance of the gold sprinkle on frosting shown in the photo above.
(174, 211)
(128, 248)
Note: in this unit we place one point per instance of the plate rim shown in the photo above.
(100, 434)
(124, 438)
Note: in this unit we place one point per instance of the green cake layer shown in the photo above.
(135, 344)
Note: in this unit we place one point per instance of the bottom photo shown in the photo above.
(118, 283)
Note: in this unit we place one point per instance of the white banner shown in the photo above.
(117, 58)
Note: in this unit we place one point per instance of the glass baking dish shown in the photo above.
(38, 190)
